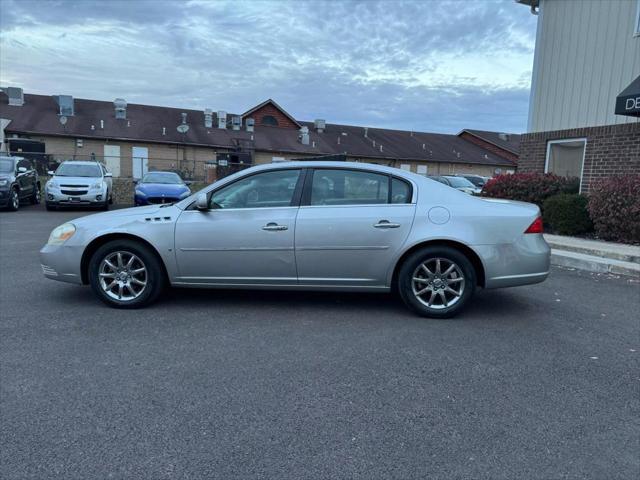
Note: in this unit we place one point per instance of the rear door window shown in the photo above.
(348, 187)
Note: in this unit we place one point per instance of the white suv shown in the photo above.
(79, 183)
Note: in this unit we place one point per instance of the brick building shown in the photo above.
(584, 112)
(202, 144)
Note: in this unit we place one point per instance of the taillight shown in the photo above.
(535, 227)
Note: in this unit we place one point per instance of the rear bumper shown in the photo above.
(523, 262)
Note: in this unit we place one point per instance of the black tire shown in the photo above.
(154, 276)
(434, 282)
(49, 207)
(105, 206)
(35, 196)
(14, 200)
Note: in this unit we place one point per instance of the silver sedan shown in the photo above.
(308, 226)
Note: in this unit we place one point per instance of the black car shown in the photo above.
(18, 182)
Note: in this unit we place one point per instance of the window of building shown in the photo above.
(566, 157)
(406, 167)
(422, 170)
(269, 121)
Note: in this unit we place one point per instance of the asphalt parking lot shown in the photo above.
(532, 382)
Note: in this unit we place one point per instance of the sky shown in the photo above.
(433, 66)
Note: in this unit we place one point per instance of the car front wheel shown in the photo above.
(126, 274)
(35, 196)
(437, 281)
(14, 200)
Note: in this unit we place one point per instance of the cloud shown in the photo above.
(431, 66)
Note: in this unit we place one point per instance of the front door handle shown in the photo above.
(272, 226)
(386, 224)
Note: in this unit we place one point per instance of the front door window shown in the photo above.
(264, 190)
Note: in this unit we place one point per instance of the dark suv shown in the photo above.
(18, 181)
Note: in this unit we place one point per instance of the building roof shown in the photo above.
(511, 143)
(155, 124)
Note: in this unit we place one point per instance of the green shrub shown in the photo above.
(567, 214)
(529, 187)
(614, 207)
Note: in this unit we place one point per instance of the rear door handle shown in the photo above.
(386, 224)
(274, 227)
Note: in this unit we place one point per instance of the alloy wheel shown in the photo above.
(15, 199)
(123, 276)
(438, 283)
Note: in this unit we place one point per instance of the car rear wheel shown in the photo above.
(35, 197)
(126, 274)
(437, 281)
(14, 200)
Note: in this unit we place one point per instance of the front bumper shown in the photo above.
(62, 262)
(88, 199)
(4, 197)
(140, 200)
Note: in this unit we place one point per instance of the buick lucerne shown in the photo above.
(308, 225)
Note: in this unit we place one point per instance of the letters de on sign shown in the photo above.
(632, 103)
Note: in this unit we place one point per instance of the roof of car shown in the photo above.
(83, 162)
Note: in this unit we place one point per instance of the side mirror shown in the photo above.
(202, 202)
(22, 169)
(188, 182)
(135, 181)
(108, 175)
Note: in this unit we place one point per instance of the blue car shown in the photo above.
(160, 187)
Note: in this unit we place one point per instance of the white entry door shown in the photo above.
(112, 159)
(140, 159)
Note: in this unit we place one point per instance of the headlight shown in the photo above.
(61, 234)
(3, 182)
(97, 186)
(141, 193)
(52, 184)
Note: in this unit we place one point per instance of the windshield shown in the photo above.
(162, 177)
(70, 169)
(6, 165)
(459, 182)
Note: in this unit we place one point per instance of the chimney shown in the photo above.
(503, 136)
(65, 103)
(16, 96)
(304, 135)
(222, 119)
(236, 122)
(120, 106)
(319, 125)
(184, 118)
(208, 118)
(366, 132)
(250, 123)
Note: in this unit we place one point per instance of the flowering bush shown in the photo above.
(529, 187)
(614, 207)
(567, 214)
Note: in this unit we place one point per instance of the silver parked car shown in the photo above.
(459, 183)
(308, 226)
(79, 183)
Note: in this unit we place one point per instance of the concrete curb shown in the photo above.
(592, 263)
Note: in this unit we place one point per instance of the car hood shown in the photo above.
(75, 180)
(125, 216)
(162, 188)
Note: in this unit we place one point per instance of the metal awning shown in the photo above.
(628, 102)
